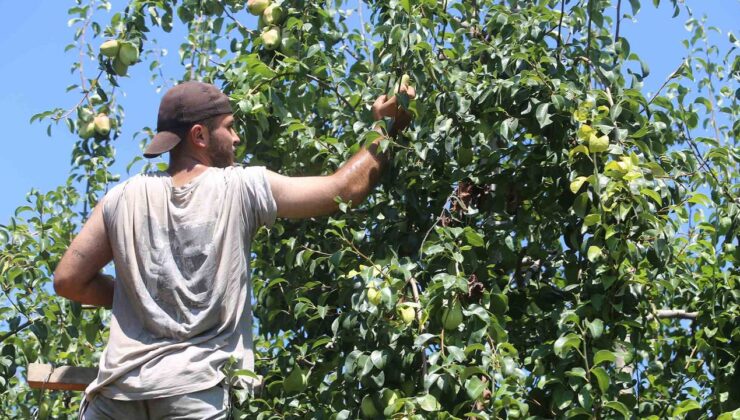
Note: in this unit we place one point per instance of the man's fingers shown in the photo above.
(380, 100)
(387, 108)
(409, 91)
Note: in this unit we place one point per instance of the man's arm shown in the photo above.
(301, 197)
(78, 276)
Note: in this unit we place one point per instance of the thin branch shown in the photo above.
(239, 24)
(332, 87)
(673, 75)
(619, 19)
(560, 25)
(437, 220)
(415, 293)
(673, 314)
(18, 329)
(362, 29)
(588, 38)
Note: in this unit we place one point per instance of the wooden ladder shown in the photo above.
(64, 378)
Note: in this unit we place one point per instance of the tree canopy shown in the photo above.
(548, 240)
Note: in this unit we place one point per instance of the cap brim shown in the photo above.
(163, 142)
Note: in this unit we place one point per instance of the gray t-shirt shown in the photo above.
(182, 302)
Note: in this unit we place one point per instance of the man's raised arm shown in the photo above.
(78, 276)
(312, 196)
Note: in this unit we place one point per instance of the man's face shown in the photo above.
(223, 140)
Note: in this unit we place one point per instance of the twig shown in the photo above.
(673, 314)
(330, 86)
(239, 24)
(421, 247)
(560, 25)
(362, 29)
(18, 329)
(361, 254)
(672, 76)
(415, 293)
(588, 39)
(619, 19)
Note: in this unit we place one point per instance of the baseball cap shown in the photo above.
(183, 105)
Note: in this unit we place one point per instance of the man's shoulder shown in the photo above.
(138, 181)
(244, 172)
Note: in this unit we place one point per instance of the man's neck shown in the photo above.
(185, 169)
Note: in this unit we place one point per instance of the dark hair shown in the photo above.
(182, 132)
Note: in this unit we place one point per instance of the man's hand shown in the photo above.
(301, 197)
(388, 108)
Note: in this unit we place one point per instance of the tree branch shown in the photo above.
(673, 314)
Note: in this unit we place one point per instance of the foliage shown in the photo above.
(541, 196)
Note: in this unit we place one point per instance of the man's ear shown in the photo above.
(199, 136)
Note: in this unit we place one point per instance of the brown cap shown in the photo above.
(183, 105)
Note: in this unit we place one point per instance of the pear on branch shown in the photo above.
(256, 7)
(110, 48)
(102, 125)
(271, 38)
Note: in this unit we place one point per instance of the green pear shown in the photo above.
(86, 129)
(373, 295)
(452, 317)
(128, 54)
(120, 68)
(271, 38)
(367, 406)
(273, 14)
(407, 313)
(295, 382)
(109, 48)
(102, 125)
(256, 7)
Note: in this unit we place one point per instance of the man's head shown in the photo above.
(195, 117)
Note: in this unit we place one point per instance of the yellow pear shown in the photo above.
(102, 125)
(109, 48)
(256, 7)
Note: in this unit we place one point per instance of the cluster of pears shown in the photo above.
(123, 54)
(270, 17)
(451, 317)
(91, 125)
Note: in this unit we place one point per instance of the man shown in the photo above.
(180, 243)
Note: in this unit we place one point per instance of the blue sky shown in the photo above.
(35, 70)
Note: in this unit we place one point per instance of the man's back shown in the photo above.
(182, 305)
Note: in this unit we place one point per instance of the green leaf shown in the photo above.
(730, 415)
(575, 186)
(580, 204)
(543, 118)
(699, 198)
(474, 387)
(596, 327)
(591, 219)
(473, 237)
(428, 403)
(704, 101)
(652, 194)
(563, 344)
(686, 406)
(602, 356)
(406, 5)
(619, 407)
(602, 378)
